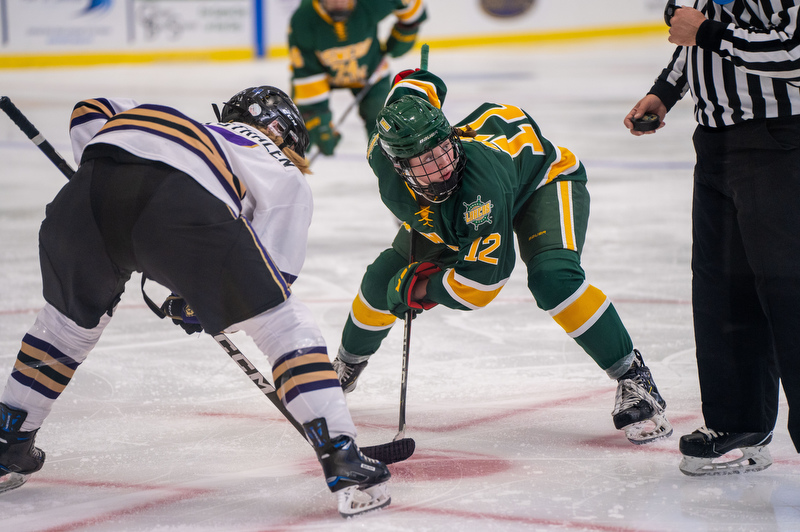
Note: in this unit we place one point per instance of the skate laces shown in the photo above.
(710, 433)
(347, 370)
(629, 393)
(639, 376)
(344, 369)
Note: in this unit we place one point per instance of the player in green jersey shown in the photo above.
(465, 191)
(334, 44)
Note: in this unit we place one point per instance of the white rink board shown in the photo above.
(56, 27)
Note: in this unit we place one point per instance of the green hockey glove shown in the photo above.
(401, 287)
(322, 133)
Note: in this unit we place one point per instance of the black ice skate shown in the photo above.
(704, 452)
(639, 408)
(348, 373)
(18, 456)
(359, 482)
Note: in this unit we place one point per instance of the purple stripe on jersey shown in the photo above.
(221, 178)
(232, 137)
(202, 131)
(93, 115)
(310, 387)
(88, 117)
(210, 138)
(271, 265)
(289, 278)
(107, 103)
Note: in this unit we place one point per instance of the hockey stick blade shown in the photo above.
(392, 452)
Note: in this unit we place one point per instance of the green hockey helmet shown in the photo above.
(411, 127)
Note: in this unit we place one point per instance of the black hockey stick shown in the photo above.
(258, 379)
(389, 453)
(401, 430)
(32, 133)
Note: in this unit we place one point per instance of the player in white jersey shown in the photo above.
(218, 213)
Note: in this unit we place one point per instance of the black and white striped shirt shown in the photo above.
(746, 63)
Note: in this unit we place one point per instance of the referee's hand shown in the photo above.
(649, 104)
(684, 25)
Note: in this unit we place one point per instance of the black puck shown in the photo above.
(649, 122)
(669, 11)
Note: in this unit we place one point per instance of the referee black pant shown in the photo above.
(746, 273)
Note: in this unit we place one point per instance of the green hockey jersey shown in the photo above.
(507, 161)
(325, 55)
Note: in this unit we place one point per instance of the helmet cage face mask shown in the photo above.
(270, 109)
(423, 172)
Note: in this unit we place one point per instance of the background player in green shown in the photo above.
(465, 192)
(334, 44)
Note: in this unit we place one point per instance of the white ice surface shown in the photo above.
(160, 431)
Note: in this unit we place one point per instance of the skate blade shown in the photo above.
(11, 481)
(752, 459)
(353, 501)
(650, 430)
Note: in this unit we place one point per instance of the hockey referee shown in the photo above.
(740, 59)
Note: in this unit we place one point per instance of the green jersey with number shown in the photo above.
(507, 161)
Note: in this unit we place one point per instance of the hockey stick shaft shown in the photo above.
(401, 429)
(257, 377)
(33, 134)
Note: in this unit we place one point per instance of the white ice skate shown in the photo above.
(353, 501)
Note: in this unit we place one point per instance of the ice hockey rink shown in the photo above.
(159, 431)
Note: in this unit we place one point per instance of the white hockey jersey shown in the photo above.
(233, 161)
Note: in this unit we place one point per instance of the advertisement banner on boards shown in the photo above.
(88, 26)
(192, 23)
(48, 25)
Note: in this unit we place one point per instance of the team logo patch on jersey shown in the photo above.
(478, 212)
